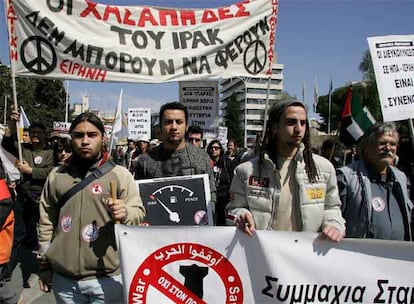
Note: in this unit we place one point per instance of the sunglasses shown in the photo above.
(215, 148)
(191, 139)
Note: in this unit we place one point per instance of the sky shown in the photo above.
(315, 39)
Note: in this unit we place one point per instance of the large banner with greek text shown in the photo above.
(223, 265)
(393, 61)
(84, 40)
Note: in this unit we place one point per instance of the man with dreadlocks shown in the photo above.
(287, 187)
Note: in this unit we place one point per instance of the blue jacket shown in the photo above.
(355, 191)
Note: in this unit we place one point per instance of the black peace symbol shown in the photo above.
(38, 64)
(253, 65)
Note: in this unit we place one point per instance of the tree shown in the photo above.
(366, 91)
(232, 120)
(42, 100)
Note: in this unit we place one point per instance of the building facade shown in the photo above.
(252, 92)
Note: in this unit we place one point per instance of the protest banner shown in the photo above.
(223, 265)
(61, 127)
(178, 200)
(393, 61)
(201, 99)
(84, 40)
(139, 122)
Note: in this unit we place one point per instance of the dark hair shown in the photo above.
(195, 130)
(269, 146)
(37, 125)
(233, 141)
(175, 105)
(210, 145)
(89, 117)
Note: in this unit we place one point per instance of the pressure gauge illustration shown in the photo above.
(174, 203)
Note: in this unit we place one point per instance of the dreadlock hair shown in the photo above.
(269, 145)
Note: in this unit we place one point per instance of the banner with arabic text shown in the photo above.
(191, 265)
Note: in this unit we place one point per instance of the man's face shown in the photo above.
(87, 141)
(291, 128)
(131, 145)
(382, 152)
(173, 127)
(26, 137)
(37, 135)
(194, 139)
(231, 148)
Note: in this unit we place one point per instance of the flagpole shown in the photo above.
(329, 106)
(118, 109)
(5, 110)
(410, 124)
(13, 76)
(67, 101)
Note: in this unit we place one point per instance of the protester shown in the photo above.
(223, 173)
(153, 143)
(329, 150)
(142, 144)
(175, 157)
(352, 155)
(76, 238)
(37, 162)
(195, 136)
(130, 155)
(287, 188)
(373, 192)
(118, 155)
(7, 294)
(231, 149)
(26, 136)
(62, 150)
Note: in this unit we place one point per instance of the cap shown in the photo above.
(154, 141)
(278, 108)
(143, 137)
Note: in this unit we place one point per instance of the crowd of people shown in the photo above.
(73, 191)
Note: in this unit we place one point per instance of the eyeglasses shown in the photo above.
(215, 148)
(191, 139)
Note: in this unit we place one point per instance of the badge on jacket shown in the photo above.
(315, 192)
(259, 181)
(38, 160)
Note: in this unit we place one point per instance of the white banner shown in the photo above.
(393, 60)
(84, 40)
(201, 100)
(222, 265)
(139, 122)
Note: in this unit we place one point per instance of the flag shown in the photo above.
(24, 123)
(355, 119)
(8, 161)
(315, 94)
(119, 127)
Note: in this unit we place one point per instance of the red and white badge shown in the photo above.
(96, 188)
(378, 204)
(154, 281)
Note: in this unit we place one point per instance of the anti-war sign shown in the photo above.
(393, 61)
(83, 40)
(223, 265)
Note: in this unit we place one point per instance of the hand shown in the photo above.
(45, 276)
(245, 223)
(117, 208)
(24, 167)
(332, 233)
